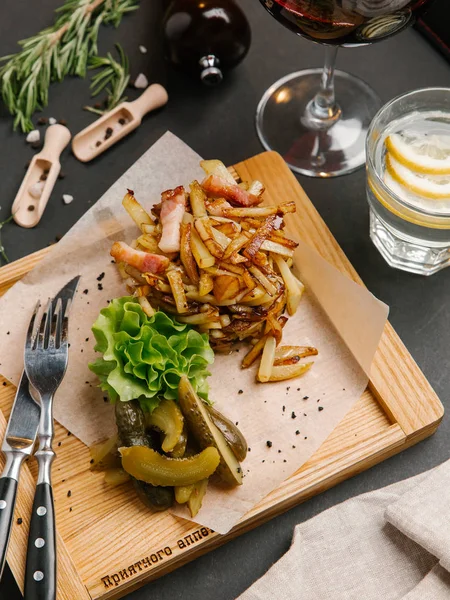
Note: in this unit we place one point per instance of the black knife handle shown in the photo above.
(8, 489)
(40, 572)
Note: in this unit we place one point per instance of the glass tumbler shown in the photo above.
(408, 180)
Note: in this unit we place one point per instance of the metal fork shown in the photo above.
(46, 355)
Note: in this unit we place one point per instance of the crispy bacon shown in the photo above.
(145, 262)
(220, 187)
(173, 206)
(217, 206)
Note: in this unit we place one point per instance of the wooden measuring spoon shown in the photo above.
(116, 124)
(28, 206)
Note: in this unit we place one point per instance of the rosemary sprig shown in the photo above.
(113, 74)
(62, 49)
(2, 248)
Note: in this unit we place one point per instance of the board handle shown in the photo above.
(154, 97)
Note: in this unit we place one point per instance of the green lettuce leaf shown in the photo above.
(144, 357)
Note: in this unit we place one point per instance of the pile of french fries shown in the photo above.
(232, 277)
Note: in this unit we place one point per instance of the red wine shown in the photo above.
(346, 22)
(205, 36)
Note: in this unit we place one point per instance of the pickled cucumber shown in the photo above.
(147, 465)
(130, 421)
(183, 493)
(230, 432)
(167, 417)
(207, 434)
(196, 497)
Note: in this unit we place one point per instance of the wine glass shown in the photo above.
(317, 119)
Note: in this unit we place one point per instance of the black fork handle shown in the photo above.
(40, 572)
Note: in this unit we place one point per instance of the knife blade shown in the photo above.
(17, 444)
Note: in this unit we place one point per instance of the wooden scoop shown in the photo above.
(37, 185)
(117, 123)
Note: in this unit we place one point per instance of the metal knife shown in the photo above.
(17, 444)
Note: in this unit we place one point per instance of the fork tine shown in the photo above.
(55, 330)
(44, 329)
(31, 338)
(64, 327)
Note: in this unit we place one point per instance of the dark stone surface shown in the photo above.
(220, 123)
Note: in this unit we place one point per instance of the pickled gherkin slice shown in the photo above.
(207, 434)
(168, 418)
(147, 465)
(196, 498)
(230, 432)
(183, 493)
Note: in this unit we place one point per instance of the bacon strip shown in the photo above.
(173, 206)
(220, 187)
(146, 262)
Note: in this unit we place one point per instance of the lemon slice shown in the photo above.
(396, 187)
(430, 154)
(436, 187)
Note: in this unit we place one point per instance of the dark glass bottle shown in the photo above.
(206, 37)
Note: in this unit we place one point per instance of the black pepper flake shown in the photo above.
(69, 493)
(297, 432)
(31, 208)
(283, 408)
(320, 408)
(43, 177)
(81, 349)
(91, 461)
(263, 461)
(293, 446)
(249, 449)
(305, 415)
(288, 388)
(70, 509)
(122, 121)
(63, 481)
(306, 437)
(237, 423)
(108, 133)
(343, 389)
(269, 444)
(101, 276)
(240, 391)
(68, 344)
(8, 332)
(99, 287)
(69, 433)
(305, 397)
(59, 444)
(298, 389)
(284, 460)
(19, 521)
(131, 192)
(239, 470)
(98, 143)
(105, 399)
(86, 340)
(293, 415)
(279, 451)
(86, 291)
(237, 350)
(5, 384)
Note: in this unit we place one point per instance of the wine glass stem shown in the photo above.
(323, 106)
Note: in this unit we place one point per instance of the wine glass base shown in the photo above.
(317, 149)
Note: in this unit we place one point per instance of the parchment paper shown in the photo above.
(343, 320)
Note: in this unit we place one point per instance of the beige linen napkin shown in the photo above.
(391, 544)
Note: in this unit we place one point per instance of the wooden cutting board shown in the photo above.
(109, 544)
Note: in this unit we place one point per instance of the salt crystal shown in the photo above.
(67, 198)
(33, 136)
(142, 49)
(36, 189)
(52, 121)
(141, 81)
